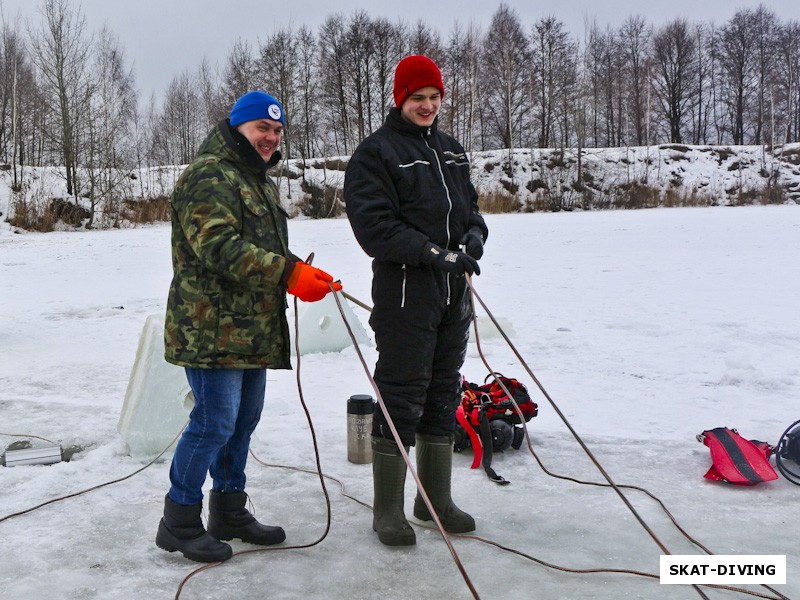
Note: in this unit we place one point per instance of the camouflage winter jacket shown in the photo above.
(227, 304)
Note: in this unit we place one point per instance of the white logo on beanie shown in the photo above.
(274, 111)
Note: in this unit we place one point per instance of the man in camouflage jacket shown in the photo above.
(227, 303)
(226, 323)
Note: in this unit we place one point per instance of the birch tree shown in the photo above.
(505, 74)
(334, 82)
(307, 118)
(461, 63)
(635, 36)
(788, 93)
(278, 63)
(765, 29)
(60, 51)
(111, 114)
(553, 69)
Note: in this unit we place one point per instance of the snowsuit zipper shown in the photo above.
(449, 201)
(403, 289)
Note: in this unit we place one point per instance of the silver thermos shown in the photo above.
(359, 428)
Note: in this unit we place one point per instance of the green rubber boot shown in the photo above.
(434, 467)
(389, 478)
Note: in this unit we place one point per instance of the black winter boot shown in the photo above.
(434, 468)
(389, 478)
(228, 519)
(181, 529)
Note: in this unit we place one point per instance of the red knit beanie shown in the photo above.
(413, 73)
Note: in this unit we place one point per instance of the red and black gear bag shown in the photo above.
(488, 420)
(474, 396)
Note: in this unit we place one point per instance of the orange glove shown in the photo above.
(309, 283)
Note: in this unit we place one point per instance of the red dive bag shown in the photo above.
(488, 421)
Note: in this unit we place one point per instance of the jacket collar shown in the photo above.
(395, 121)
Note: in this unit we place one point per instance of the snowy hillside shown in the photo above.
(633, 177)
(541, 179)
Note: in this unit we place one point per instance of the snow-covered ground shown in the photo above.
(646, 327)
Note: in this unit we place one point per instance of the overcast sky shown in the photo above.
(162, 38)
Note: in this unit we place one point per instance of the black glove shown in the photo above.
(473, 241)
(450, 261)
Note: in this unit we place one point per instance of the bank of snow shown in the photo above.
(525, 179)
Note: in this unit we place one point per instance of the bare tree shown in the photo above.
(701, 107)
(583, 86)
(505, 74)
(11, 58)
(719, 115)
(335, 81)
(141, 133)
(279, 65)
(178, 132)
(212, 98)
(241, 73)
(596, 86)
(788, 88)
(675, 78)
(387, 48)
(765, 29)
(604, 85)
(569, 90)
(359, 57)
(462, 64)
(61, 54)
(615, 91)
(425, 40)
(306, 118)
(735, 51)
(111, 113)
(553, 73)
(19, 102)
(635, 37)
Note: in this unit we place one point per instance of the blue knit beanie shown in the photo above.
(256, 105)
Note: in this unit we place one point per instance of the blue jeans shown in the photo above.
(227, 408)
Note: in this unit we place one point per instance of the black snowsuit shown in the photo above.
(406, 186)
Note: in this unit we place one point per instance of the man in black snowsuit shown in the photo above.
(413, 208)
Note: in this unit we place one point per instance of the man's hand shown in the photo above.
(473, 242)
(309, 283)
(450, 261)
